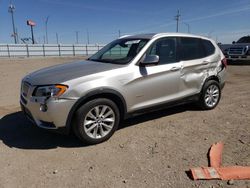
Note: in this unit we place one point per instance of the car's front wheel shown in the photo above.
(96, 120)
(210, 95)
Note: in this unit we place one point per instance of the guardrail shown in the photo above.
(31, 50)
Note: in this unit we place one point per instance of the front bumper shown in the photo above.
(55, 115)
(238, 57)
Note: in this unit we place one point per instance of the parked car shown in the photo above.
(131, 75)
(239, 50)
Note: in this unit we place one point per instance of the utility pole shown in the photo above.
(57, 40)
(177, 18)
(17, 37)
(119, 33)
(77, 41)
(46, 29)
(11, 11)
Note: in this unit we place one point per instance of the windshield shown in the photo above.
(244, 40)
(120, 51)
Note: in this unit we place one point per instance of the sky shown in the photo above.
(223, 20)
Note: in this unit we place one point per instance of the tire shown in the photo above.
(210, 95)
(96, 121)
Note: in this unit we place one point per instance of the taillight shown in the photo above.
(224, 62)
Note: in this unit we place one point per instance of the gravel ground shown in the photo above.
(152, 150)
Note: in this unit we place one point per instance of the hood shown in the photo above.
(60, 73)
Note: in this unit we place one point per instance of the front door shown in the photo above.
(156, 84)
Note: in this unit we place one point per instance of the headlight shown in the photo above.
(50, 91)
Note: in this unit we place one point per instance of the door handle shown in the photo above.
(205, 62)
(175, 68)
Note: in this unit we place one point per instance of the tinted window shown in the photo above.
(166, 50)
(209, 47)
(190, 48)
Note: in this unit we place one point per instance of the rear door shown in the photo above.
(198, 61)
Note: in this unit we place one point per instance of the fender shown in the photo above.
(100, 92)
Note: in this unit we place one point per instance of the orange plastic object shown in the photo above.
(215, 154)
(234, 172)
(205, 173)
(218, 172)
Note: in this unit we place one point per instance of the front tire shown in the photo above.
(210, 95)
(96, 121)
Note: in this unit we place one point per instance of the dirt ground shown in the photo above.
(152, 150)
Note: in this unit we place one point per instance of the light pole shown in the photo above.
(46, 29)
(188, 26)
(88, 36)
(119, 33)
(209, 35)
(77, 37)
(57, 39)
(31, 24)
(11, 11)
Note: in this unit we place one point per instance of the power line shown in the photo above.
(177, 18)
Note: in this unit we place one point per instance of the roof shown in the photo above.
(153, 35)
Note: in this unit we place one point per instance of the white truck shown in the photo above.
(237, 51)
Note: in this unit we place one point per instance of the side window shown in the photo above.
(209, 47)
(190, 48)
(166, 50)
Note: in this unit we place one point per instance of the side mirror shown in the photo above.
(150, 60)
(233, 42)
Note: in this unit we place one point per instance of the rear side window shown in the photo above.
(209, 47)
(190, 48)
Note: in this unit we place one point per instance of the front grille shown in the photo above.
(25, 88)
(236, 51)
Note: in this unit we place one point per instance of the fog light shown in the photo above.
(43, 107)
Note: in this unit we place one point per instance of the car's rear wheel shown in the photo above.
(210, 95)
(96, 121)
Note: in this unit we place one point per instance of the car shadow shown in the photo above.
(18, 132)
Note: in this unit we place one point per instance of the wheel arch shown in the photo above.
(216, 78)
(111, 94)
(212, 77)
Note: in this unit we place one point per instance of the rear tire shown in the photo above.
(210, 95)
(96, 121)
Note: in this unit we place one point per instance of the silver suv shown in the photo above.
(130, 75)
